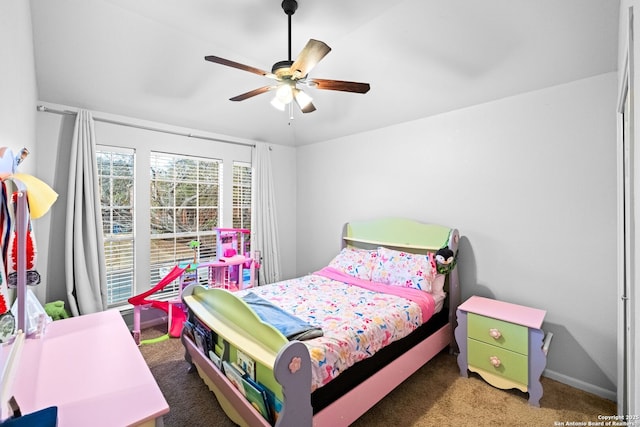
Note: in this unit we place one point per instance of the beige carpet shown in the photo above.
(436, 395)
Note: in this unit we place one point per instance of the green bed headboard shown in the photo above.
(400, 233)
(411, 236)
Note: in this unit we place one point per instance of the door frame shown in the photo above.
(626, 179)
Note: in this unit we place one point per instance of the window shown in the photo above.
(166, 213)
(241, 195)
(116, 180)
(184, 210)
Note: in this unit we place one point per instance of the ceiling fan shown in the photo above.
(288, 74)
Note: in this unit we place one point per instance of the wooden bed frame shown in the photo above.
(289, 361)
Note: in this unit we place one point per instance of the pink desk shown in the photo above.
(91, 369)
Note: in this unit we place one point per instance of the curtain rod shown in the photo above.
(117, 122)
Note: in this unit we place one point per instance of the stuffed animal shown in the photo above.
(445, 260)
(56, 310)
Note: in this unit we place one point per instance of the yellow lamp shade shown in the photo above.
(40, 196)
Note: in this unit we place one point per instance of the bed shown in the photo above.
(315, 376)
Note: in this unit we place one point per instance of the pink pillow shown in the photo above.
(399, 268)
(437, 286)
(354, 262)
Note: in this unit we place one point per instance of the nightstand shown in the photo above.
(503, 343)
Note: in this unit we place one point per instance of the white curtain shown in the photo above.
(264, 227)
(85, 267)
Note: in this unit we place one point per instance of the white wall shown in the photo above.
(54, 138)
(283, 163)
(17, 78)
(18, 85)
(530, 183)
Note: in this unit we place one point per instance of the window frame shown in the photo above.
(144, 141)
(108, 238)
(181, 254)
(243, 207)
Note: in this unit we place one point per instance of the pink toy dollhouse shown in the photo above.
(233, 259)
(232, 269)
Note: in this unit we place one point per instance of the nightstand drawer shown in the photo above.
(510, 365)
(507, 335)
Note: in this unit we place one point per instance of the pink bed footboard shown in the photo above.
(293, 370)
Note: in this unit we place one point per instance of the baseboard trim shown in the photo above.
(149, 323)
(150, 318)
(581, 385)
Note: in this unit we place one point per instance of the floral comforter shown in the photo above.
(356, 322)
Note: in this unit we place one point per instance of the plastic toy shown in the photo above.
(233, 257)
(176, 314)
(55, 310)
(194, 245)
(226, 271)
(445, 260)
(40, 198)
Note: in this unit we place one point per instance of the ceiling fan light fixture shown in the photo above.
(277, 104)
(302, 98)
(284, 93)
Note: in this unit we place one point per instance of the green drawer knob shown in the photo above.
(495, 361)
(495, 333)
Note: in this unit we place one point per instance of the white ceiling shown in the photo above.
(145, 58)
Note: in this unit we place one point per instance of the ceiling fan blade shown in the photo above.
(237, 65)
(343, 86)
(312, 53)
(252, 93)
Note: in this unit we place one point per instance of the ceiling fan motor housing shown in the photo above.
(282, 68)
(289, 6)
